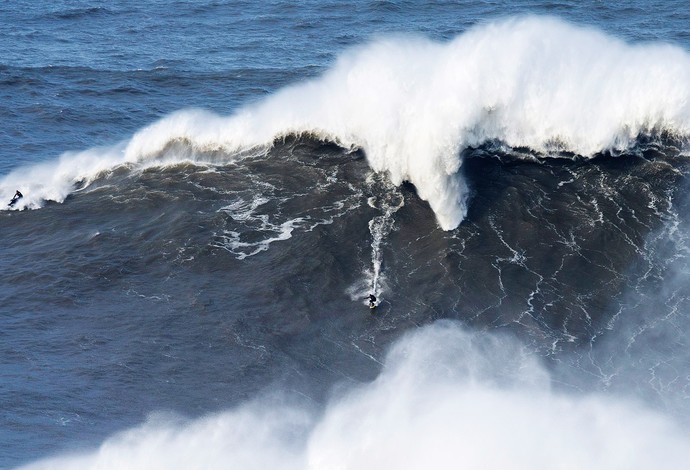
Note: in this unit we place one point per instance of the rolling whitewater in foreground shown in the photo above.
(190, 291)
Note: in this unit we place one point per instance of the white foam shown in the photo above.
(232, 241)
(413, 105)
(55, 180)
(446, 399)
(379, 227)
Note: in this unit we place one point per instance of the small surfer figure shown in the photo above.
(17, 196)
(372, 301)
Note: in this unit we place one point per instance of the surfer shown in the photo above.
(17, 196)
(372, 301)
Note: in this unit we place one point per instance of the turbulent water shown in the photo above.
(211, 191)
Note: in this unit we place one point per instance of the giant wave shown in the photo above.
(413, 105)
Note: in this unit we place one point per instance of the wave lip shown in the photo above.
(413, 105)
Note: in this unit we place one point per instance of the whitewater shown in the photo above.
(446, 398)
(414, 106)
(187, 287)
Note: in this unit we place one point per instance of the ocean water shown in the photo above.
(212, 189)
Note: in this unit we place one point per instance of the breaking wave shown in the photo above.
(413, 105)
(446, 398)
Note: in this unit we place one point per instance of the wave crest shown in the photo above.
(413, 104)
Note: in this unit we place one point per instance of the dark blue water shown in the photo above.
(212, 285)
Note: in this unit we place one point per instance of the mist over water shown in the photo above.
(445, 398)
(191, 290)
(644, 352)
(414, 105)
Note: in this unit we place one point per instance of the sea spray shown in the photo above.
(388, 202)
(446, 398)
(413, 105)
(387, 199)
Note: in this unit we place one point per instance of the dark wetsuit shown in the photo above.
(372, 300)
(17, 196)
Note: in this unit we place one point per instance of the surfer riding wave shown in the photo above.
(17, 196)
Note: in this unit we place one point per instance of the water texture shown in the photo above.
(213, 189)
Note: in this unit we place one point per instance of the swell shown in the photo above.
(80, 13)
(414, 105)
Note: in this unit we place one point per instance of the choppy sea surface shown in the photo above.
(212, 190)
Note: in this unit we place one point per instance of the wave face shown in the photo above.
(199, 290)
(414, 105)
(199, 297)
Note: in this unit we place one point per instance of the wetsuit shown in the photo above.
(17, 196)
